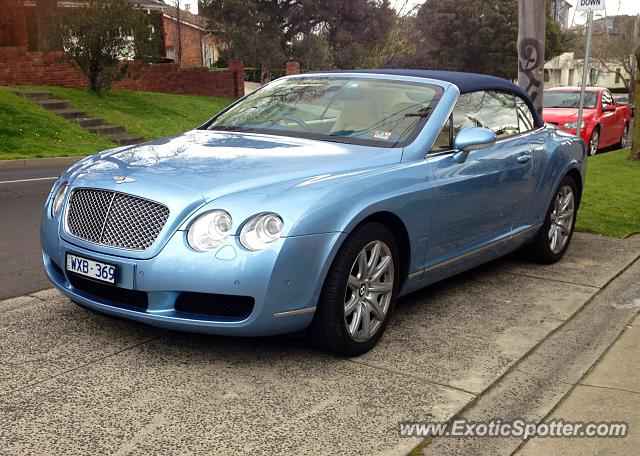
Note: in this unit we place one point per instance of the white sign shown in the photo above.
(590, 5)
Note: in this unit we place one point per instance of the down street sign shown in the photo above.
(590, 5)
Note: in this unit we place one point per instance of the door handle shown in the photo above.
(523, 158)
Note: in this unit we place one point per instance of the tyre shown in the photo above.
(554, 237)
(623, 139)
(359, 292)
(594, 141)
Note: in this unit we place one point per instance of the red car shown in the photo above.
(605, 122)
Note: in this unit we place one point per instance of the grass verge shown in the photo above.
(611, 198)
(148, 114)
(28, 131)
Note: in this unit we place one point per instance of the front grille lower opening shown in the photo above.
(215, 305)
(111, 294)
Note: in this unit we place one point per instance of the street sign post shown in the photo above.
(590, 6)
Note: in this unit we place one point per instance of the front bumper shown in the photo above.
(284, 281)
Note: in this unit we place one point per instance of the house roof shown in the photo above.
(186, 18)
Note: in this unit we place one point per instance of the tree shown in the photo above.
(97, 35)
(635, 146)
(476, 35)
(614, 50)
(177, 5)
(339, 34)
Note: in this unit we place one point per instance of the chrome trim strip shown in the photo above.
(295, 312)
(477, 251)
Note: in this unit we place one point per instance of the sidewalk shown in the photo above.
(609, 392)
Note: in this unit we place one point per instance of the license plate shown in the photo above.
(95, 270)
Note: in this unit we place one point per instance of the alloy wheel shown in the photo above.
(625, 136)
(369, 291)
(561, 218)
(593, 144)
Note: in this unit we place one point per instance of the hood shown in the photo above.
(212, 164)
(563, 115)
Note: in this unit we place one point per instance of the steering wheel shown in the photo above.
(295, 120)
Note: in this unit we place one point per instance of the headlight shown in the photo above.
(58, 199)
(209, 230)
(573, 125)
(261, 230)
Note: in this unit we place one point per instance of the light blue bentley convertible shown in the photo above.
(312, 204)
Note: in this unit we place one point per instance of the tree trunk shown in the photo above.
(531, 38)
(635, 146)
(178, 34)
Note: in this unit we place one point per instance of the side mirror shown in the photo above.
(608, 108)
(473, 138)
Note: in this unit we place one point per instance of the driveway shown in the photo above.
(75, 382)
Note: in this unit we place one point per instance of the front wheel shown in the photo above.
(594, 142)
(359, 292)
(552, 241)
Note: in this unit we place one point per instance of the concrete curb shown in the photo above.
(38, 162)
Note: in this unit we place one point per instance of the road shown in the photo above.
(508, 339)
(23, 191)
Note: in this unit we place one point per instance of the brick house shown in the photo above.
(199, 45)
(19, 27)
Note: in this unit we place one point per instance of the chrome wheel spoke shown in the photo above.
(355, 321)
(351, 305)
(354, 283)
(380, 268)
(380, 287)
(366, 321)
(375, 256)
(362, 265)
(374, 306)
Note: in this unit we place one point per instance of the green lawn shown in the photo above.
(151, 115)
(611, 200)
(26, 130)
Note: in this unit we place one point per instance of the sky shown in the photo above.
(614, 7)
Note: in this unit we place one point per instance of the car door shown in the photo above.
(478, 201)
(610, 129)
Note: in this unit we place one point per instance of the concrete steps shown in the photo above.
(87, 121)
(69, 114)
(46, 100)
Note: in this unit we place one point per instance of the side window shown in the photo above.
(607, 98)
(525, 117)
(493, 110)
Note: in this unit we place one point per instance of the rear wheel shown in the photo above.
(594, 142)
(623, 139)
(359, 292)
(552, 241)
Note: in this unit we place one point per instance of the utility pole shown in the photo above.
(585, 73)
(531, 40)
(590, 6)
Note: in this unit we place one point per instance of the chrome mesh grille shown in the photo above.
(115, 219)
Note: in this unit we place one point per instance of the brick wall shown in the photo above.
(17, 66)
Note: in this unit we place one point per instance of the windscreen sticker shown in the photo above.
(382, 135)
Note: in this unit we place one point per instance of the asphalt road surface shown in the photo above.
(23, 191)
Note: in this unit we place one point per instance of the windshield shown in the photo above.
(344, 109)
(569, 99)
